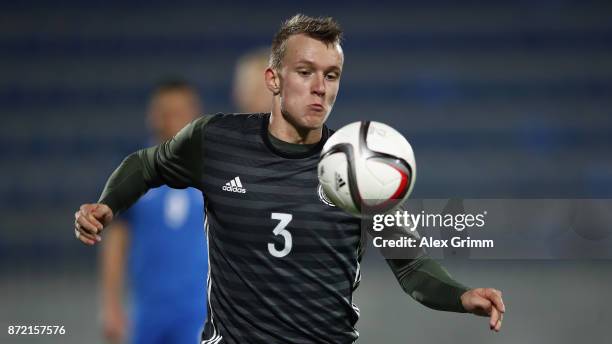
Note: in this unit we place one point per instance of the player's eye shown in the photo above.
(304, 72)
(331, 76)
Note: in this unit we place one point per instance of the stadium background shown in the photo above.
(499, 99)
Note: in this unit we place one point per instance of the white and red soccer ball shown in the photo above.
(367, 167)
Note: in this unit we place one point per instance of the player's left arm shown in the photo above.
(428, 282)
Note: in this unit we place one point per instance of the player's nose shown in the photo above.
(318, 85)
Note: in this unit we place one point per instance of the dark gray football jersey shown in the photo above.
(283, 262)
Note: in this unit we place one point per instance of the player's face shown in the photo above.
(170, 111)
(309, 81)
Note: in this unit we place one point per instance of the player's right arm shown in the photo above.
(176, 163)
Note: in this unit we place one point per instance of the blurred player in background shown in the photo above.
(161, 244)
(250, 92)
(283, 263)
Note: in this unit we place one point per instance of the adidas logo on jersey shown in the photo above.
(234, 185)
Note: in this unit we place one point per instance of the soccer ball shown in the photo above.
(367, 167)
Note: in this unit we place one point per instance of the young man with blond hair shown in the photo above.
(283, 264)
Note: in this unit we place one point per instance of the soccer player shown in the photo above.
(283, 264)
(161, 243)
(249, 91)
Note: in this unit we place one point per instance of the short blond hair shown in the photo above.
(324, 29)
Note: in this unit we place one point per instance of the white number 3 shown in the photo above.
(280, 230)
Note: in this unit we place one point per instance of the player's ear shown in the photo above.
(272, 81)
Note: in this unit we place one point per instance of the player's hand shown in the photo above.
(114, 324)
(485, 302)
(89, 221)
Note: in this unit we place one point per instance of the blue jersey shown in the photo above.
(167, 250)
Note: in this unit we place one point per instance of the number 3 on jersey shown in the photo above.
(280, 230)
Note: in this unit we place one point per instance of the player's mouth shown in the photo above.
(316, 107)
